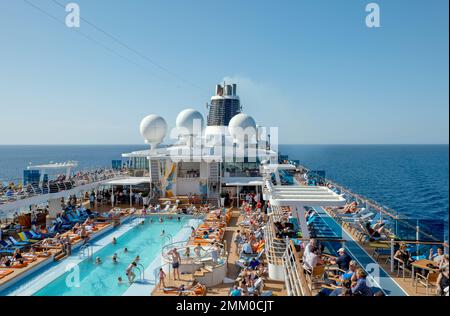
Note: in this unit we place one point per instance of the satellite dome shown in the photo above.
(242, 123)
(153, 128)
(191, 121)
(213, 134)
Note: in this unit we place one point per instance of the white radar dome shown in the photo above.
(153, 128)
(240, 125)
(191, 121)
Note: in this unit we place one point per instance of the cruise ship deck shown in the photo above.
(218, 212)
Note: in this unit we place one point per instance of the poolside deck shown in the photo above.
(277, 287)
(54, 255)
(21, 272)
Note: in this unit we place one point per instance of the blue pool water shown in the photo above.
(101, 280)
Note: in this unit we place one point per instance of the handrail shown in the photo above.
(369, 202)
(16, 192)
(167, 236)
(183, 245)
(156, 270)
(88, 247)
(295, 280)
(141, 271)
(274, 247)
(414, 242)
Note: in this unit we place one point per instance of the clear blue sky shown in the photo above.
(312, 68)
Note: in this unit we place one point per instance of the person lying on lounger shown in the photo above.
(182, 289)
(376, 230)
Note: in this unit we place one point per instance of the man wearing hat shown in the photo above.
(343, 260)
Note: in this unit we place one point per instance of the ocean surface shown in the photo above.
(411, 179)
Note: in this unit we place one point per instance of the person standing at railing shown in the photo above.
(214, 253)
(198, 250)
(92, 199)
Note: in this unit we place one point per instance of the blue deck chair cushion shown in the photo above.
(18, 243)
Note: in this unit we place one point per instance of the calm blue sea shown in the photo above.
(411, 179)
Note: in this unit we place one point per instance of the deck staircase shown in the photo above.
(214, 181)
(154, 171)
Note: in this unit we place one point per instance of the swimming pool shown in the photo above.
(89, 279)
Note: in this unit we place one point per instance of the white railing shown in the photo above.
(296, 284)
(274, 247)
(86, 248)
(12, 193)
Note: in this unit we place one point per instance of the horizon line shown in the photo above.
(301, 144)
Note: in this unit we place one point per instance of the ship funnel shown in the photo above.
(234, 89)
(228, 90)
(219, 90)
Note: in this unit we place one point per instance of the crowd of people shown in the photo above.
(59, 182)
(249, 246)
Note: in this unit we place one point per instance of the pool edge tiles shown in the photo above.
(146, 288)
(53, 270)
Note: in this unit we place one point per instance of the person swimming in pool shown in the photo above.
(125, 249)
(161, 220)
(98, 260)
(114, 241)
(114, 258)
(137, 259)
(119, 280)
(163, 233)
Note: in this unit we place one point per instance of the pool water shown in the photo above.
(90, 279)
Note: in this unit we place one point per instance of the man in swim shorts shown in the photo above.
(176, 260)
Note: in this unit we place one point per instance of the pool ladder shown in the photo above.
(141, 270)
(167, 237)
(84, 248)
(137, 219)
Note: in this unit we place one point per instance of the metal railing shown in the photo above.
(295, 280)
(86, 248)
(274, 247)
(156, 271)
(398, 224)
(167, 237)
(15, 191)
(181, 247)
(141, 269)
